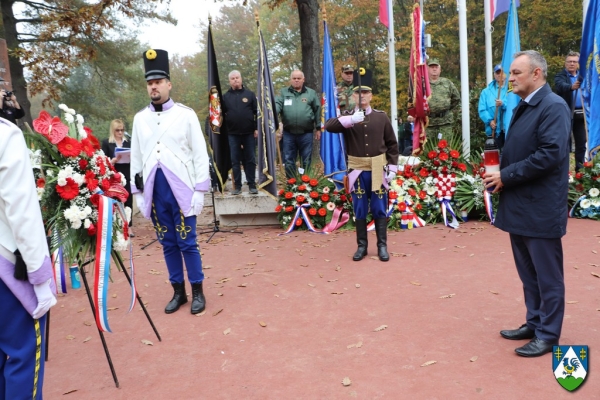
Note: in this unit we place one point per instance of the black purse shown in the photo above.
(139, 181)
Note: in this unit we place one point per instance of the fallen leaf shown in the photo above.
(274, 283)
(415, 283)
(112, 308)
(147, 342)
(263, 324)
(114, 296)
(327, 260)
(447, 296)
(337, 292)
(70, 391)
(380, 328)
(87, 323)
(81, 310)
(442, 249)
(594, 251)
(359, 345)
(251, 250)
(572, 302)
(251, 263)
(428, 363)
(311, 285)
(70, 337)
(206, 266)
(460, 247)
(374, 258)
(87, 339)
(473, 359)
(351, 346)
(223, 280)
(338, 268)
(217, 312)
(243, 285)
(357, 285)
(575, 266)
(593, 265)
(471, 255)
(595, 274)
(227, 331)
(219, 294)
(320, 275)
(493, 292)
(346, 381)
(202, 313)
(332, 280)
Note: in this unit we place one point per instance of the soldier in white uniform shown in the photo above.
(169, 168)
(27, 289)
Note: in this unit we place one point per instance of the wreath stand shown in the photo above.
(117, 257)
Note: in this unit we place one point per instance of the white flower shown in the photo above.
(81, 214)
(81, 131)
(429, 180)
(78, 178)
(570, 179)
(61, 181)
(76, 224)
(87, 210)
(79, 118)
(594, 192)
(87, 223)
(128, 214)
(49, 173)
(40, 193)
(331, 206)
(120, 244)
(70, 111)
(123, 180)
(585, 203)
(595, 202)
(326, 189)
(63, 107)
(430, 190)
(69, 118)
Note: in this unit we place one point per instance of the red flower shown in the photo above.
(314, 195)
(588, 164)
(417, 179)
(412, 192)
(422, 194)
(443, 144)
(432, 154)
(300, 199)
(343, 198)
(454, 154)
(69, 191)
(305, 178)
(436, 163)
(95, 199)
(443, 156)
(91, 181)
(302, 188)
(402, 206)
(462, 167)
(41, 182)
(399, 182)
(69, 147)
(579, 175)
(434, 174)
(393, 195)
(325, 197)
(322, 212)
(444, 170)
(314, 182)
(105, 184)
(87, 147)
(83, 164)
(299, 222)
(423, 172)
(93, 139)
(289, 195)
(419, 206)
(579, 187)
(116, 178)
(278, 208)
(281, 191)
(291, 181)
(51, 128)
(91, 231)
(289, 209)
(312, 212)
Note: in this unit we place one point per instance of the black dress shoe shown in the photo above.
(524, 332)
(537, 347)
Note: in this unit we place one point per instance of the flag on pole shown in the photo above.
(419, 90)
(266, 121)
(217, 132)
(333, 152)
(512, 45)
(383, 13)
(589, 68)
(498, 7)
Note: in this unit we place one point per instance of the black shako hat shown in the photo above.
(156, 64)
(366, 79)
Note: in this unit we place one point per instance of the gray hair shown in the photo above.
(573, 54)
(235, 71)
(296, 70)
(536, 60)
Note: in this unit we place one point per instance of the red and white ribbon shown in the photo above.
(446, 186)
(121, 210)
(338, 219)
(102, 261)
(301, 213)
(489, 208)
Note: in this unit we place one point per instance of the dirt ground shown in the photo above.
(443, 297)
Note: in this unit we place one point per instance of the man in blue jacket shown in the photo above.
(493, 98)
(533, 183)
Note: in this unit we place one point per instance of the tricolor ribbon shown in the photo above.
(301, 213)
(58, 264)
(418, 222)
(338, 219)
(446, 186)
(489, 208)
(447, 208)
(572, 211)
(121, 210)
(102, 261)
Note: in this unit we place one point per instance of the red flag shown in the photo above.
(419, 89)
(383, 13)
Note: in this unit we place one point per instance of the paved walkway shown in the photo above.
(443, 297)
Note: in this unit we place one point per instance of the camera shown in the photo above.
(8, 94)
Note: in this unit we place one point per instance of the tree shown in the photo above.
(50, 38)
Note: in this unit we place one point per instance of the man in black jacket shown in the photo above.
(566, 85)
(239, 105)
(10, 108)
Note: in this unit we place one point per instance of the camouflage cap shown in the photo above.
(347, 68)
(433, 61)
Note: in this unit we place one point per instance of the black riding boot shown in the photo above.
(198, 300)
(361, 239)
(381, 230)
(179, 298)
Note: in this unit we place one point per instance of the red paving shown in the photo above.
(303, 286)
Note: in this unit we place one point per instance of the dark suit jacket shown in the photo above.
(535, 169)
(562, 87)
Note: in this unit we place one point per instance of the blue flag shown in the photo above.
(589, 62)
(333, 152)
(512, 45)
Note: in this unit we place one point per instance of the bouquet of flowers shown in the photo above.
(72, 174)
(316, 198)
(584, 191)
(411, 193)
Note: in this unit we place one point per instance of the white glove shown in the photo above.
(390, 176)
(358, 116)
(197, 202)
(139, 201)
(45, 299)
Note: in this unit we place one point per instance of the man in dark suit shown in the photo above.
(566, 85)
(533, 185)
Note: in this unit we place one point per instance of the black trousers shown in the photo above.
(540, 266)
(580, 139)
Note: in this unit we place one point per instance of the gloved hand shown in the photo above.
(45, 298)
(390, 175)
(197, 202)
(358, 116)
(139, 201)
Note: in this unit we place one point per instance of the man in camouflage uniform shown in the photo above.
(444, 100)
(345, 89)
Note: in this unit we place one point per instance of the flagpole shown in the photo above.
(464, 76)
(392, 67)
(487, 26)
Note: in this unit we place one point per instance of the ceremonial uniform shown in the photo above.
(168, 150)
(22, 338)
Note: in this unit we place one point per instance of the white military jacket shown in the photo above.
(173, 141)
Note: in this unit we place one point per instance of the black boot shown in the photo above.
(361, 239)
(381, 231)
(198, 300)
(179, 298)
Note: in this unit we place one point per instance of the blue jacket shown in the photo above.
(535, 169)
(487, 107)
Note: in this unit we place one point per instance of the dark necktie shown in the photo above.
(519, 110)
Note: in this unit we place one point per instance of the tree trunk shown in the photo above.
(19, 86)
(308, 11)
